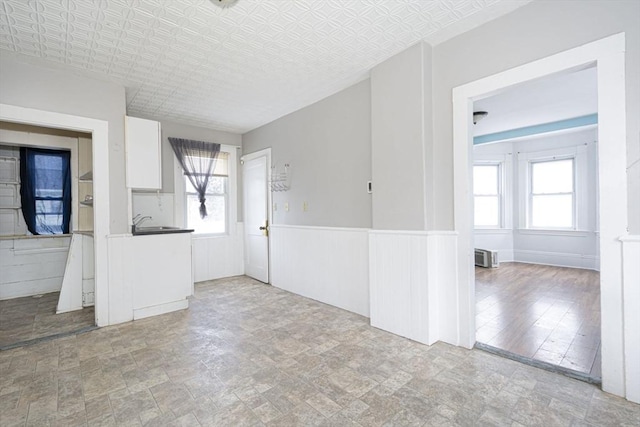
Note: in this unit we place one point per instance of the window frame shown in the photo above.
(579, 157)
(531, 195)
(225, 195)
(505, 171)
(498, 195)
(231, 200)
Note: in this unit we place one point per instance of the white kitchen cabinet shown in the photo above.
(161, 273)
(149, 275)
(143, 153)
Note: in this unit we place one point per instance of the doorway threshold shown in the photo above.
(582, 376)
(48, 338)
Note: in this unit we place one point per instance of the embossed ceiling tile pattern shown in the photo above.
(232, 69)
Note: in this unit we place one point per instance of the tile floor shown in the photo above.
(246, 353)
(28, 318)
(547, 313)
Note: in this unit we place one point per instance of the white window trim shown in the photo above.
(232, 195)
(505, 189)
(579, 156)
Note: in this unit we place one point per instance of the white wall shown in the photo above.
(218, 256)
(327, 264)
(34, 86)
(537, 30)
(577, 248)
(411, 277)
(328, 145)
(32, 266)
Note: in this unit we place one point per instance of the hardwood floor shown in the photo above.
(541, 312)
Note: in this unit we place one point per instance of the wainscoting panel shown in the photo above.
(32, 266)
(215, 257)
(631, 299)
(399, 284)
(413, 284)
(326, 264)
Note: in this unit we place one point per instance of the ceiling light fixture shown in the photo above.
(479, 115)
(224, 3)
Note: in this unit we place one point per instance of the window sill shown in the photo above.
(492, 230)
(552, 232)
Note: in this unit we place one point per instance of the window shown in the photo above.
(217, 200)
(487, 195)
(216, 195)
(552, 194)
(45, 180)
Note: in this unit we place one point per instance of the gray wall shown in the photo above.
(31, 86)
(328, 145)
(398, 132)
(537, 30)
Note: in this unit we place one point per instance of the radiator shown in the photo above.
(486, 258)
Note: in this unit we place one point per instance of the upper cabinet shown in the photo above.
(144, 153)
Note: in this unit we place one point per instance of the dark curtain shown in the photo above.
(198, 160)
(45, 190)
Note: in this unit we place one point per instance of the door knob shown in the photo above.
(262, 228)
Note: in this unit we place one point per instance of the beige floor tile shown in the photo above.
(246, 353)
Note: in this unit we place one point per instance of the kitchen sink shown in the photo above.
(160, 229)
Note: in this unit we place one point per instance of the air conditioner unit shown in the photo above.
(486, 258)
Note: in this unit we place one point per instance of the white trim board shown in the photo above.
(608, 55)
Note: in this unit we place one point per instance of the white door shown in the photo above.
(256, 214)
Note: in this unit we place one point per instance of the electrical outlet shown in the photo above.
(286, 206)
(305, 206)
(275, 207)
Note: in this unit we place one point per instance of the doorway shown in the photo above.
(257, 214)
(100, 159)
(535, 211)
(608, 56)
(43, 292)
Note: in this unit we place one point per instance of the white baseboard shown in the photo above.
(558, 259)
(154, 310)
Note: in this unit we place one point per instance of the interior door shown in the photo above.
(256, 214)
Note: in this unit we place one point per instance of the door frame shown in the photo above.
(608, 55)
(99, 130)
(265, 152)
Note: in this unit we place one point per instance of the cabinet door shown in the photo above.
(142, 139)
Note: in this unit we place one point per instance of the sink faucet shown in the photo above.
(137, 220)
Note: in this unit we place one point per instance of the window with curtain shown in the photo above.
(45, 190)
(206, 184)
(216, 195)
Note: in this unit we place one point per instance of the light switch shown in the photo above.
(275, 206)
(305, 206)
(286, 206)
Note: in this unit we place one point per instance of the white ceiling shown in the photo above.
(231, 69)
(551, 99)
